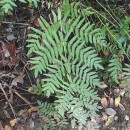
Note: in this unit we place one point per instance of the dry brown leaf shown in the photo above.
(21, 128)
(117, 101)
(36, 23)
(110, 111)
(7, 127)
(32, 109)
(17, 80)
(104, 102)
(13, 122)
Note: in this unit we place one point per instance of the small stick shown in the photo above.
(23, 98)
(7, 100)
(5, 22)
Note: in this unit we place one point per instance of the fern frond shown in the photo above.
(115, 69)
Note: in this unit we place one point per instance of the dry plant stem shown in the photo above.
(23, 98)
(7, 100)
(5, 22)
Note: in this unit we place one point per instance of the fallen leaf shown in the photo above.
(108, 122)
(110, 111)
(104, 116)
(11, 37)
(7, 127)
(115, 118)
(17, 80)
(36, 23)
(111, 101)
(116, 91)
(117, 101)
(21, 128)
(32, 109)
(6, 114)
(30, 89)
(13, 122)
(104, 102)
(20, 113)
(103, 85)
(127, 118)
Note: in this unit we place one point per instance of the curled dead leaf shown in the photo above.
(117, 101)
(13, 122)
(32, 109)
(104, 102)
(7, 127)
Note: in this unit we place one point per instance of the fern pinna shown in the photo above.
(64, 54)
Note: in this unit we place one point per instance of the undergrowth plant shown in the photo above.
(8, 5)
(64, 54)
(71, 57)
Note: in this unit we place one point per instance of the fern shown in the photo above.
(51, 118)
(115, 68)
(64, 54)
(8, 5)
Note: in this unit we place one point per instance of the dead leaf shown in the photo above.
(13, 122)
(116, 91)
(106, 53)
(115, 118)
(117, 101)
(103, 85)
(11, 37)
(21, 128)
(30, 89)
(104, 102)
(111, 101)
(32, 109)
(104, 116)
(127, 118)
(6, 114)
(110, 111)
(20, 113)
(7, 127)
(17, 80)
(36, 23)
(108, 122)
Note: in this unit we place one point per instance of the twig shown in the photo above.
(23, 98)
(5, 22)
(7, 100)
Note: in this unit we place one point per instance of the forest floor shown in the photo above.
(18, 102)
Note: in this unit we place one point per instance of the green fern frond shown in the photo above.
(115, 68)
(63, 52)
